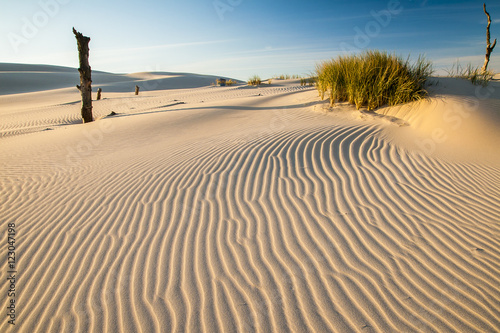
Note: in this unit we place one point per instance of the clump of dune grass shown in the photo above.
(226, 82)
(372, 79)
(471, 73)
(288, 77)
(254, 81)
(308, 81)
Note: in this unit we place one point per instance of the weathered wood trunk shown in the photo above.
(137, 90)
(489, 46)
(99, 92)
(85, 86)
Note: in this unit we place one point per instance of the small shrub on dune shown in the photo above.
(308, 81)
(372, 79)
(226, 82)
(474, 74)
(254, 81)
(288, 77)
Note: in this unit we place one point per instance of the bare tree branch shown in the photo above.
(489, 46)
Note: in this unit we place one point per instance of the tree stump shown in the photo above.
(489, 46)
(85, 86)
(137, 90)
(99, 92)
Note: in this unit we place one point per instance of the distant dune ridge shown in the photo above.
(248, 209)
(23, 78)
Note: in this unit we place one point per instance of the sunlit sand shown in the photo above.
(200, 208)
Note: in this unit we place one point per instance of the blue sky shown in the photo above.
(240, 38)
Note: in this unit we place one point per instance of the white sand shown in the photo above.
(251, 209)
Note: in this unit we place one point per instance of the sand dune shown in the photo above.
(243, 209)
(23, 78)
(460, 120)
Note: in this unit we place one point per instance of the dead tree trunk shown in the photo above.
(99, 92)
(137, 90)
(489, 46)
(85, 86)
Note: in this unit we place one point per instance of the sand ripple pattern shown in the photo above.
(49, 117)
(325, 229)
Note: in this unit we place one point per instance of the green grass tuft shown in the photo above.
(287, 77)
(254, 81)
(372, 79)
(471, 73)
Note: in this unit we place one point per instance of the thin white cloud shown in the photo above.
(164, 46)
(474, 60)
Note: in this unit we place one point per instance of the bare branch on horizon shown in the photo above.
(489, 46)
